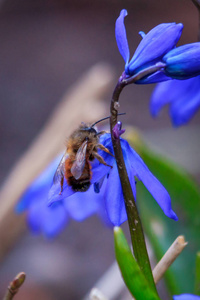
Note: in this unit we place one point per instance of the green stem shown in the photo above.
(135, 226)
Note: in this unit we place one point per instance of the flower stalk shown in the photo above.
(135, 225)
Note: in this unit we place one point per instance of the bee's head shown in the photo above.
(88, 128)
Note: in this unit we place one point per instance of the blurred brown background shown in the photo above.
(44, 47)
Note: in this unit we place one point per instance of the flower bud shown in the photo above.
(155, 44)
(183, 62)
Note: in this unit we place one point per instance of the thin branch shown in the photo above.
(169, 257)
(14, 286)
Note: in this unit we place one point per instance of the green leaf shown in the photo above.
(131, 273)
(162, 231)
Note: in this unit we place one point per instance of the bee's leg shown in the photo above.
(100, 159)
(100, 146)
(61, 185)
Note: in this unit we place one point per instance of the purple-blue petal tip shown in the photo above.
(142, 34)
(117, 130)
(120, 34)
(173, 215)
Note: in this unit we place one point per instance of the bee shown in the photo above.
(82, 149)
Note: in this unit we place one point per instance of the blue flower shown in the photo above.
(106, 183)
(154, 45)
(186, 297)
(104, 196)
(183, 97)
(183, 62)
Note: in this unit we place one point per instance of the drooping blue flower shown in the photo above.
(154, 45)
(104, 196)
(183, 62)
(183, 97)
(186, 297)
(106, 183)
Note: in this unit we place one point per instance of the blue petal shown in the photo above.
(183, 109)
(120, 34)
(186, 297)
(47, 220)
(162, 94)
(129, 167)
(99, 170)
(82, 205)
(115, 205)
(114, 200)
(31, 195)
(108, 144)
(104, 138)
(40, 218)
(183, 97)
(183, 62)
(142, 34)
(155, 44)
(55, 195)
(39, 187)
(156, 189)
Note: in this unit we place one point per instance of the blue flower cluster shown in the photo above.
(180, 66)
(159, 46)
(104, 196)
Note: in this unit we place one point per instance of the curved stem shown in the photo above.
(135, 226)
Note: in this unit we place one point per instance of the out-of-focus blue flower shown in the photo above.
(106, 183)
(183, 97)
(186, 297)
(51, 220)
(183, 62)
(154, 45)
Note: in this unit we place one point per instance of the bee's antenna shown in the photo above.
(106, 119)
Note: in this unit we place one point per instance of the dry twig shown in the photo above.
(169, 257)
(14, 286)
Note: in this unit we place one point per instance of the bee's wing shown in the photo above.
(79, 164)
(60, 171)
